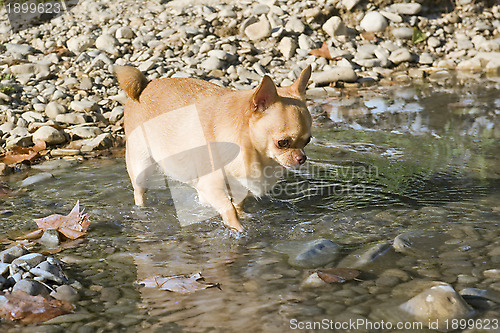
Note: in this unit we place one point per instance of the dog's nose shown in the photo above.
(301, 158)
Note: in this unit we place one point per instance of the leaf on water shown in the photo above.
(418, 36)
(337, 275)
(323, 51)
(183, 284)
(32, 309)
(73, 225)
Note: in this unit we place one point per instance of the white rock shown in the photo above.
(79, 44)
(71, 118)
(116, 114)
(392, 16)
(295, 25)
(32, 117)
(107, 43)
(306, 43)
(259, 30)
(334, 26)
(212, 63)
(473, 64)
(50, 135)
(426, 59)
(287, 47)
(401, 55)
(83, 105)
(346, 74)
(438, 303)
(433, 42)
(22, 49)
(85, 132)
(39, 177)
(350, 4)
(373, 22)
(406, 8)
(403, 33)
(124, 33)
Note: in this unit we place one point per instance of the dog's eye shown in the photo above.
(283, 143)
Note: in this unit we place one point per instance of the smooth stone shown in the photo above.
(473, 64)
(102, 141)
(50, 237)
(212, 63)
(295, 25)
(116, 114)
(107, 43)
(66, 293)
(83, 106)
(124, 33)
(335, 74)
(64, 152)
(22, 49)
(28, 69)
(313, 281)
(426, 58)
(334, 26)
(53, 109)
(492, 273)
(85, 132)
(438, 303)
(403, 33)
(80, 43)
(72, 118)
(69, 318)
(6, 256)
(366, 256)
(287, 47)
(32, 117)
(401, 55)
(412, 8)
(50, 135)
(35, 179)
(31, 287)
(258, 30)
(30, 259)
(373, 22)
(315, 253)
(349, 4)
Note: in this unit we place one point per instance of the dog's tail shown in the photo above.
(131, 80)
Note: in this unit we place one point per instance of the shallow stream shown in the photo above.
(423, 159)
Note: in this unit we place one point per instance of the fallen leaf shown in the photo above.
(32, 309)
(337, 275)
(72, 226)
(323, 51)
(22, 154)
(75, 221)
(183, 284)
(418, 36)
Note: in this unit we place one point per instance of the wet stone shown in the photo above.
(31, 287)
(315, 253)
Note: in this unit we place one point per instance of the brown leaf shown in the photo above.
(32, 309)
(70, 233)
(337, 275)
(183, 284)
(75, 220)
(323, 51)
(32, 235)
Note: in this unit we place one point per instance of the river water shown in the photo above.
(421, 159)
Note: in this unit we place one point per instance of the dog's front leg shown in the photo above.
(212, 192)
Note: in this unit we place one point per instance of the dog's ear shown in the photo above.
(265, 94)
(299, 86)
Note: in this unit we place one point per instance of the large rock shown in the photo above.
(50, 135)
(107, 43)
(53, 109)
(406, 8)
(401, 55)
(287, 47)
(373, 22)
(309, 254)
(335, 74)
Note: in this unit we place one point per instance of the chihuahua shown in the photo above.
(227, 144)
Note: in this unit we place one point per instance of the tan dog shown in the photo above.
(225, 143)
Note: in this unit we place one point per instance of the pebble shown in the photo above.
(35, 179)
(258, 30)
(335, 74)
(406, 8)
(53, 109)
(373, 22)
(31, 287)
(401, 55)
(334, 26)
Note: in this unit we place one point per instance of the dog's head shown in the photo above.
(280, 123)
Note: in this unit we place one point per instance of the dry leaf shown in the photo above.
(72, 226)
(323, 51)
(21, 154)
(183, 284)
(75, 220)
(337, 275)
(32, 309)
